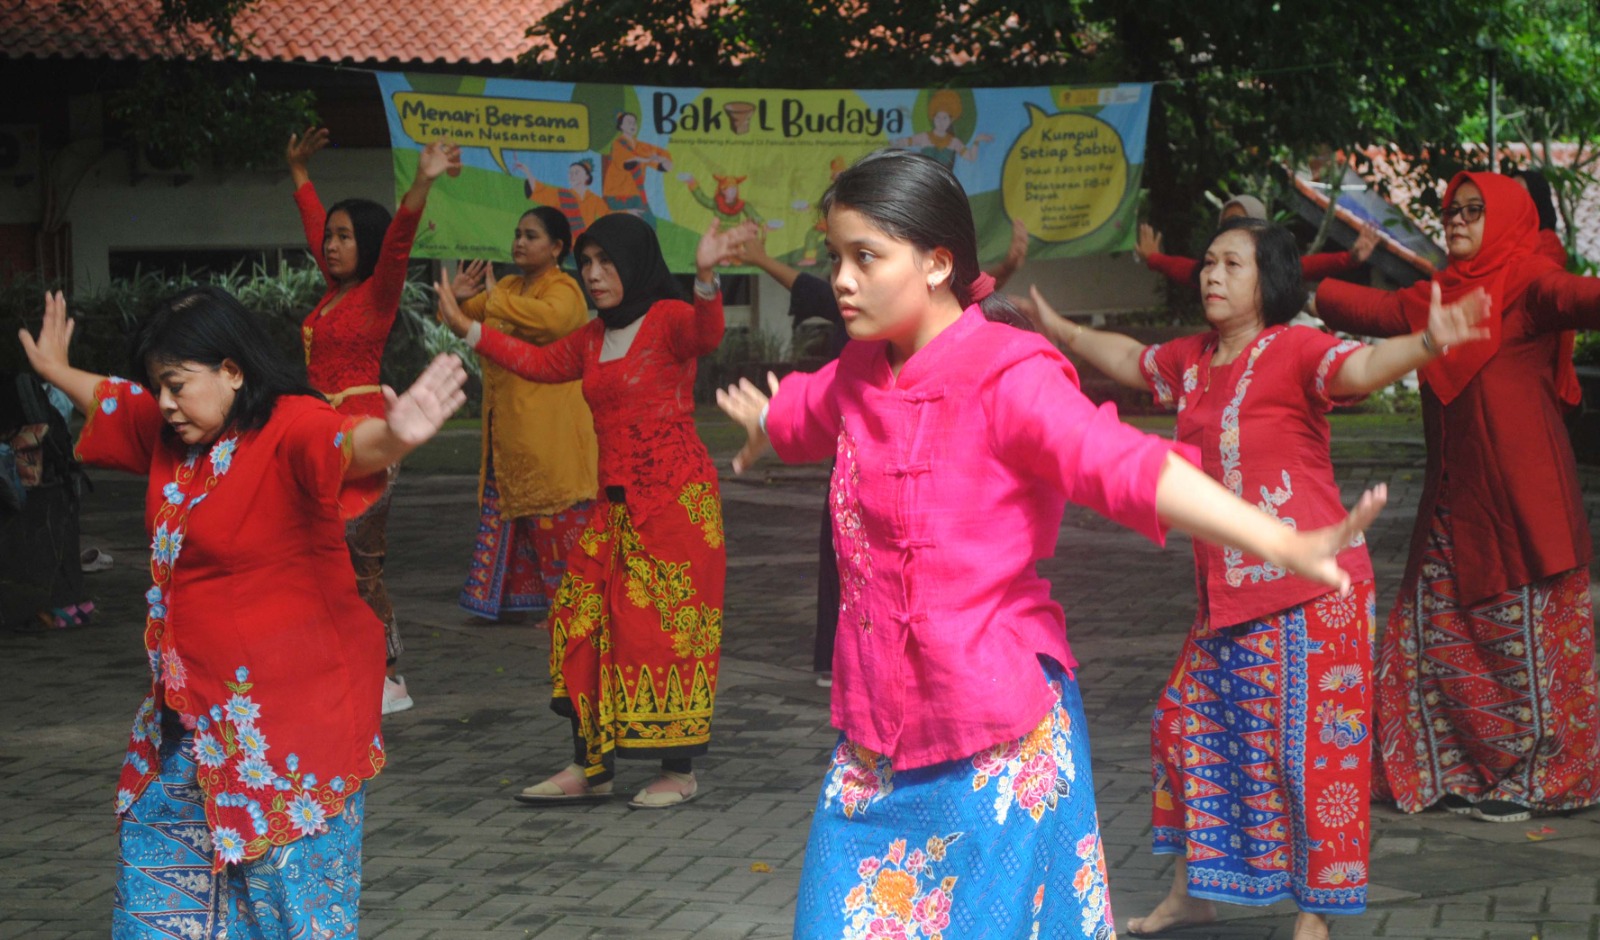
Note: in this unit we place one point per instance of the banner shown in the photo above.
(1065, 161)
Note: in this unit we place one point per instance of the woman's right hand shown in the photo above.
(47, 353)
(469, 279)
(1149, 242)
(745, 403)
(449, 312)
(302, 147)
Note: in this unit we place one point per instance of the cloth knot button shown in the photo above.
(909, 543)
(910, 469)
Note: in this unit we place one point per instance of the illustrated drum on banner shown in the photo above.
(1065, 161)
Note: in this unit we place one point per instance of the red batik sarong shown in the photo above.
(1493, 701)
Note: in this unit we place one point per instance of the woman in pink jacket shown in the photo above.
(958, 801)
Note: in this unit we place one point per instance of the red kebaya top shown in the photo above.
(344, 345)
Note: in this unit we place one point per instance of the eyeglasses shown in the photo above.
(1470, 212)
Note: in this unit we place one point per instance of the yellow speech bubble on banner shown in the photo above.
(493, 123)
(1065, 175)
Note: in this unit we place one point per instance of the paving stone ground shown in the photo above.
(449, 854)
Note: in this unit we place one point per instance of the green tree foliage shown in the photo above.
(207, 107)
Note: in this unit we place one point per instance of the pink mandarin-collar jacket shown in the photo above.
(948, 489)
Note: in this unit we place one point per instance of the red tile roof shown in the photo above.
(353, 31)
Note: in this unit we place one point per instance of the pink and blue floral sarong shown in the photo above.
(166, 889)
(1002, 844)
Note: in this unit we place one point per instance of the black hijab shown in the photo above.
(630, 243)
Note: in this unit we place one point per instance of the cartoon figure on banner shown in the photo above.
(944, 109)
(812, 250)
(623, 169)
(729, 206)
(580, 204)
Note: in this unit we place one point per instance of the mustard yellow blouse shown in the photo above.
(542, 435)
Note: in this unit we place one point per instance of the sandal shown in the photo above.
(567, 786)
(668, 790)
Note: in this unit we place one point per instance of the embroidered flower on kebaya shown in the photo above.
(251, 741)
(222, 454)
(241, 710)
(109, 406)
(306, 814)
(124, 800)
(173, 493)
(208, 751)
(172, 671)
(255, 773)
(166, 544)
(229, 844)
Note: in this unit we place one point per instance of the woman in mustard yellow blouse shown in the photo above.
(539, 456)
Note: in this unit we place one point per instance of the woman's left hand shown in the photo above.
(419, 413)
(448, 311)
(1315, 554)
(1457, 322)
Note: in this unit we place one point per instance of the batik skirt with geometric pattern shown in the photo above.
(517, 564)
(1261, 754)
(636, 631)
(1003, 844)
(1492, 701)
(166, 890)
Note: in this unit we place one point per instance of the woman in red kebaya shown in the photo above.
(241, 795)
(363, 254)
(1486, 686)
(1261, 741)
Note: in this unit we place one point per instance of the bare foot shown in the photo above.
(1311, 927)
(1175, 910)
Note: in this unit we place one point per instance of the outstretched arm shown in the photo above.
(410, 419)
(48, 355)
(1376, 366)
(1112, 353)
(1189, 500)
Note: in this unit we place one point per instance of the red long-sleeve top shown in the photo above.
(1498, 454)
(643, 401)
(1312, 267)
(344, 345)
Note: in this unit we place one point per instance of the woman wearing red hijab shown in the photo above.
(1486, 687)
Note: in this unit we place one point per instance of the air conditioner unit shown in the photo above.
(19, 153)
(151, 163)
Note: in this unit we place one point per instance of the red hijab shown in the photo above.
(1507, 261)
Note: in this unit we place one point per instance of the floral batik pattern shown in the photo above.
(167, 888)
(518, 563)
(1001, 844)
(1493, 701)
(850, 535)
(1261, 757)
(636, 631)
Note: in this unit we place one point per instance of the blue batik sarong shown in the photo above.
(1002, 844)
(309, 888)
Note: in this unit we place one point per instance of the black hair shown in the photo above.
(555, 225)
(917, 199)
(1543, 199)
(207, 325)
(1279, 282)
(369, 221)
